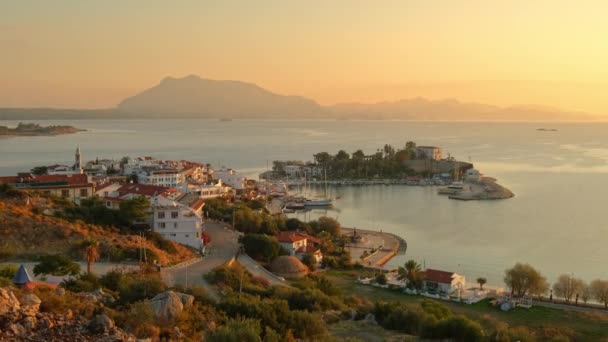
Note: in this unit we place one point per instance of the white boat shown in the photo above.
(323, 202)
(452, 189)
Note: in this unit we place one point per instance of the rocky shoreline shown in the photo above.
(373, 249)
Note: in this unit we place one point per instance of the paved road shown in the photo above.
(223, 247)
(255, 269)
(99, 268)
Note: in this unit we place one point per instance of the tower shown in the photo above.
(78, 160)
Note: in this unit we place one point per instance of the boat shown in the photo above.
(452, 189)
(293, 205)
(321, 202)
(288, 211)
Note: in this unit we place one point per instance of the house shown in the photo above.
(443, 282)
(428, 152)
(114, 193)
(298, 244)
(213, 190)
(71, 186)
(180, 221)
(230, 177)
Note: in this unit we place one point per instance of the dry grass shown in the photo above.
(27, 233)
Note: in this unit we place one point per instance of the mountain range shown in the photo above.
(196, 97)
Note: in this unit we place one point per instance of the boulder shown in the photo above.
(17, 330)
(167, 305)
(101, 323)
(60, 291)
(99, 296)
(186, 299)
(31, 303)
(29, 323)
(8, 302)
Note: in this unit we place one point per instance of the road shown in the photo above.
(223, 247)
(256, 270)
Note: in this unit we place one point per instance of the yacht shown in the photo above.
(323, 202)
(452, 189)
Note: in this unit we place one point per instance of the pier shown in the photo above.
(380, 246)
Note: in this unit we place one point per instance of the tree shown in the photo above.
(57, 265)
(586, 293)
(260, 246)
(524, 280)
(412, 271)
(39, 170)
(599, 289)
(90, 251)
(328, 224)
(381, 279)
(481, 282)
(135, 210)
(309, 260)
(567, 286)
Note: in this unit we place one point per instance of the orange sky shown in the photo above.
(93, 54)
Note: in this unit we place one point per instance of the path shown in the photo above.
(223, 247)
(99, 268)
(257, 270)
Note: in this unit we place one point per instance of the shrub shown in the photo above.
(58, 265)
(85, 282)
(237, 330)
(261, 247)
(310, 261)
(381, 279)
(8, 271)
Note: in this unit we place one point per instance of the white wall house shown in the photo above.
(178, 222)
(207, 191)
(230, 177)
(442, 282)
(298, 244)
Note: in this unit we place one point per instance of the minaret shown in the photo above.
(78, 160)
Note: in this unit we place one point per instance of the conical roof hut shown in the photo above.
(287, 266)
(22, 277)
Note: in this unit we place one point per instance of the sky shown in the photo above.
(92, 54)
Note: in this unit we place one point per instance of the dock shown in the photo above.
(381, 247)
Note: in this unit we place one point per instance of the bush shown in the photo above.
(57, 265)
(8, 271)
(381, 279)
(135, 287)
(85, 282)
(310, 261)
(261, 247)
(161, 243)
(237, 330)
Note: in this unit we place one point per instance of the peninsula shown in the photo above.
(32, 129)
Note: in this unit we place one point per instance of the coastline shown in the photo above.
(385, 246)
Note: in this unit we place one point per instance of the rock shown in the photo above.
(46, 323)
(8, 302)
(17, 330)
(99, 296)
(29, 323)
(186, 299)
(166, 305)
(101, 324)
(60, 291)
(69, 314)
(30, 303)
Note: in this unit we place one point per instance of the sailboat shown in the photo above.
(320, 202)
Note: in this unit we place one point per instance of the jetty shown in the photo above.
(373, 249)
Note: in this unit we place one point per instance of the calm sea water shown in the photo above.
(557, 221)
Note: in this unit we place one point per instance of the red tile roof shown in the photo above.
(291, 237)
(438, 276)
(142, 189)
(197, 204)
(75, 180)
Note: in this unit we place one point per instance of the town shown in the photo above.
(228, 223)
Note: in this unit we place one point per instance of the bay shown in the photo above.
(556, 221)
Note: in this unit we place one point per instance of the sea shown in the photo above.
(557, 221)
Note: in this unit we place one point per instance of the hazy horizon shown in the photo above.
(94, 55)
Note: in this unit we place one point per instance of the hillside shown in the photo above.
(28, 232)
(196, 97)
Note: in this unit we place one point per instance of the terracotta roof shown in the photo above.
(291, 237)
(142, 189)
(198, 204)
(438, 276)
(70, 180)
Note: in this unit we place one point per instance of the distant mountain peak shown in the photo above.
(196, 97)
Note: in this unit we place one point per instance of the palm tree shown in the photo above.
(413, 273)
(481, 282)
(91, 253)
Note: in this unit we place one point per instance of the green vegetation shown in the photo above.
(386, 162)
(260, 246)
(36, 129)
(524, 279)
(93, 210)
(57, 265)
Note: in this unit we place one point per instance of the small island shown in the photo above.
(32, 129)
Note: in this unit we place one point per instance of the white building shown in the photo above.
(298, 244)
(442, 282)
(206, 191)
(230, 177)
(429, 152)
(472, 175)
(178, 222)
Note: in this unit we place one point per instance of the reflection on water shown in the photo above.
(556, 221)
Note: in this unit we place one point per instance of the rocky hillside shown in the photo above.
(22, 320)
(29, 229)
